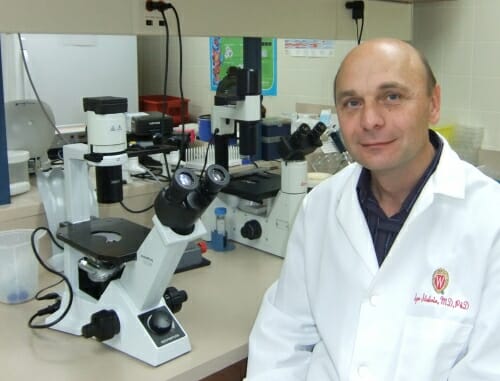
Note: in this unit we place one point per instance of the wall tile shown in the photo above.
(487, 14)
(457, 58)
(486, 59)
(485, 94)
(456, 91)
(469, 72)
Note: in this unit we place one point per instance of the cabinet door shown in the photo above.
(235, 372)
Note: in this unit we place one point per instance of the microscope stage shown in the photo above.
(254, 187)
(114, 240)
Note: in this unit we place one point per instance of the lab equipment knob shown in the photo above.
(251, 230)
(160, 322)
(174, 298)
(103, 325)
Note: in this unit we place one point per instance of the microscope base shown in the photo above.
(137, 336)
(275, 226)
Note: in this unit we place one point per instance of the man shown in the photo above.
(392, 269)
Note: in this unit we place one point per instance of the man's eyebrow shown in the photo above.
(346, 93)
(393, 85)
(382, 87)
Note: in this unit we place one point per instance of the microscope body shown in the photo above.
(237, 101)
(118, 270)
(265, 224)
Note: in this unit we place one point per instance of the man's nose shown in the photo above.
(371, 116)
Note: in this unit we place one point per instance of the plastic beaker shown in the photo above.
(18, 265)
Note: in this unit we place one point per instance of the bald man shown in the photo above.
(392, 269)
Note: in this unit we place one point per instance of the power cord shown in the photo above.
(210, 142)
(358, 13)
(50, 296)
(135, 211)
(162, 8)
(52, 123)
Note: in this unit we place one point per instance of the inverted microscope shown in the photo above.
(260, 205)
(118, 270)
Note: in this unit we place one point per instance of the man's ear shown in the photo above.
(435, 105)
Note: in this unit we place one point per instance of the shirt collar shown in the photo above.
(363, 187)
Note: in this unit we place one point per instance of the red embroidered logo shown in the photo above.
(440, 279)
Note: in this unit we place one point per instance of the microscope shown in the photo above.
(237, 100)
(118, 270)
(260, 206)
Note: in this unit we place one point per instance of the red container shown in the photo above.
(173, 106)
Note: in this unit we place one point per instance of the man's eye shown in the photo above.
(352, 103)
(392, 97)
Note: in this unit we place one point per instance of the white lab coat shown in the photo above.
(335, 315)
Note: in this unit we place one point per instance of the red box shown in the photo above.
(173, 106)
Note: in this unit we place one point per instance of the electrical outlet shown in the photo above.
(148, 22)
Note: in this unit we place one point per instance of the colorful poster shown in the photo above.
(228, 51)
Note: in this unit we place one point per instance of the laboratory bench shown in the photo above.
(223, 300)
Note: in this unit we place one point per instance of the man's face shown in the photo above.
(384, 108)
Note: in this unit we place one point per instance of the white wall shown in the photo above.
(66, 68)
(461, 39)
(300, 79)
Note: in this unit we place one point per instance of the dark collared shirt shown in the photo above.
(383, 229)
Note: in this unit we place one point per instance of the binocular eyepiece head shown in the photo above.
(187, 197)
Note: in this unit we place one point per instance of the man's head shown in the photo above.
(430, 77)
(386, 96)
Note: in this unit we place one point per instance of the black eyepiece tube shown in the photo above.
(180, 205)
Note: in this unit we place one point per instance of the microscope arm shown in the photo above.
(146, 279)
(175, 224)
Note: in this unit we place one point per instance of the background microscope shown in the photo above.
(261, 206)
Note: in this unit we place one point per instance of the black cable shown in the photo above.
(359, 33)
(52, 123)
(165, 77)
(181, 89)
(135, 211)
(55, 306)
(38, 297)
(169, 178)
(147, 176)
(210, 142)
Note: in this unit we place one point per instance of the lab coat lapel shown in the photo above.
(353, 223)
(449, 181)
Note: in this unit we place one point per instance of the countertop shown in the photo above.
(223, 300)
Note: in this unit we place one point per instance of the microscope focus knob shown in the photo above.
(160, 322)
(251, 230)
(103, 325)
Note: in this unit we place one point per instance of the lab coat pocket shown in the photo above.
(429, 348)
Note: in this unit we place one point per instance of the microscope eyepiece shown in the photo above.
(180, 205)
(316, 133)
(185, 179)
(318, 130)
(216, 178)
(183, 182)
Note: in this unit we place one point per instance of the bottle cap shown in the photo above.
(221, 211)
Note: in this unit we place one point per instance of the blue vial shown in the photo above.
(220, 220)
